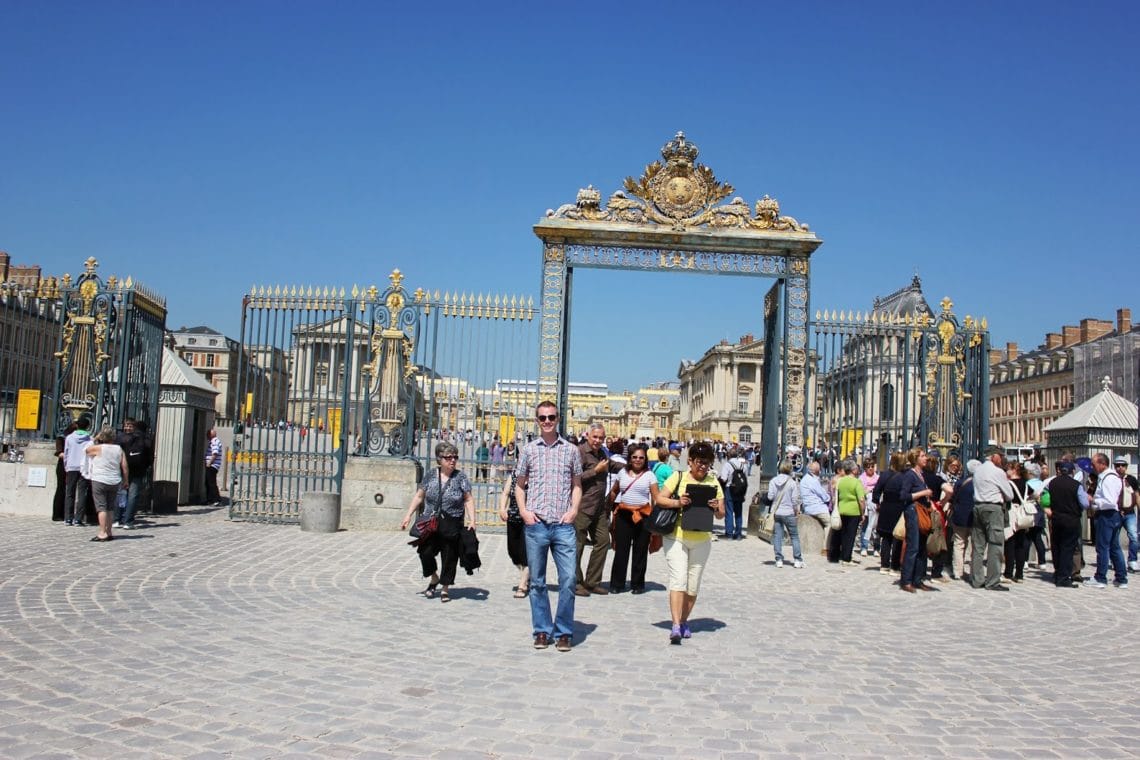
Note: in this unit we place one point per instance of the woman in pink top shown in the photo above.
(869, 478)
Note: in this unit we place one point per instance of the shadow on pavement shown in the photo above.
(471, 594)
(697, 625)
(582, 631)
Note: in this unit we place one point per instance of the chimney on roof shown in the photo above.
(1123, 320)
(1054, 340)
(1091, 329)
(1071, 335)
(746, 338)
(4, 259)
(996, 356)
(1010, 351)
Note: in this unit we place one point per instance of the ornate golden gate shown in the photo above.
(671, 220)
(326, 373)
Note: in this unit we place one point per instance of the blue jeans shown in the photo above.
(1130, 529)
(733, 519)
(866, 540)
(560, 540)
(1108, 525)
(914, 561)
(786, 523)
(126, 516)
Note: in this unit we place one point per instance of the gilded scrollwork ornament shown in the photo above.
(680, 194)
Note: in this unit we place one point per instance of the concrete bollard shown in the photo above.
(320, 512)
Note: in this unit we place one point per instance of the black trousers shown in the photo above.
(1066, 539)
(1016, 554)
(212, 494)
(447, 542)
(627, 537)
(841, 543)
(890, 552)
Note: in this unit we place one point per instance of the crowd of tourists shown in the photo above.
(569, 498)
(928, 520)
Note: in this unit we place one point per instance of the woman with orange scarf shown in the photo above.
(633, 494)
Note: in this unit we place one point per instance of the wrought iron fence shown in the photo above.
(325, 374)
(885, 381)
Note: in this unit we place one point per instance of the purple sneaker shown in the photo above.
(685, 632)
(675, 635)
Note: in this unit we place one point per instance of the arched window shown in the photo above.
(887, 402)
(745, 434)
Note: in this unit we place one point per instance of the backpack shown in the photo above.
(738, 483)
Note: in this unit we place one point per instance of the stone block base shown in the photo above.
(376, 492)
(813, 537)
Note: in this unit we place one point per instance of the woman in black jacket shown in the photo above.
(890, 510)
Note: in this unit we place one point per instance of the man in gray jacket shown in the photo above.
(992, 492)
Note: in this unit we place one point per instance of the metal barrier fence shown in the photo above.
(885, 381)
(325, 374)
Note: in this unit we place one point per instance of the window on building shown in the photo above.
(192, 341)
(213, 342)
(210, 360)
(743, 398)
(746, 373)
(887, 402)
(745, 434)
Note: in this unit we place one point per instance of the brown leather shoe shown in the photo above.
(907, 588)
(563, 644)
(599, 590)
(925, 587)
(541, 641)
(581, 591)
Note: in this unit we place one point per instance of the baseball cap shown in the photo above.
(674, 447)
(991, 450)
(1066, 467)
(1121, 460)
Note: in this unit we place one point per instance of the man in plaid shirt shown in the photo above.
(548, 490)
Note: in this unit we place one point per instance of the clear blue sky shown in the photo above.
(205, 146)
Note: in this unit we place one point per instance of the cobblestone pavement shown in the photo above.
(196, 637)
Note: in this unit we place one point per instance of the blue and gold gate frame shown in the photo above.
(672, 219)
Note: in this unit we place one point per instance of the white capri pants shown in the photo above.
(686, 558)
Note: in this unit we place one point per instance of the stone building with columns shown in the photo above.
(720, 393)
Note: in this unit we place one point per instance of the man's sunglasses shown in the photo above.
(547, 417)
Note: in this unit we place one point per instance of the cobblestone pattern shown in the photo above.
(193, 637)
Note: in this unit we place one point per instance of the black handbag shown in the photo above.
(662, 521)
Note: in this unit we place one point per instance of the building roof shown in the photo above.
(1104, 411)
(904, 301)
(199, 330)
(180, 374)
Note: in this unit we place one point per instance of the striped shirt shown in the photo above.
(214, 453)
(550, 470)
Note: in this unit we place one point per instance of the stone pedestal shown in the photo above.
(20, 493)
(320, 512)
(376, 492)
(812, 536)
